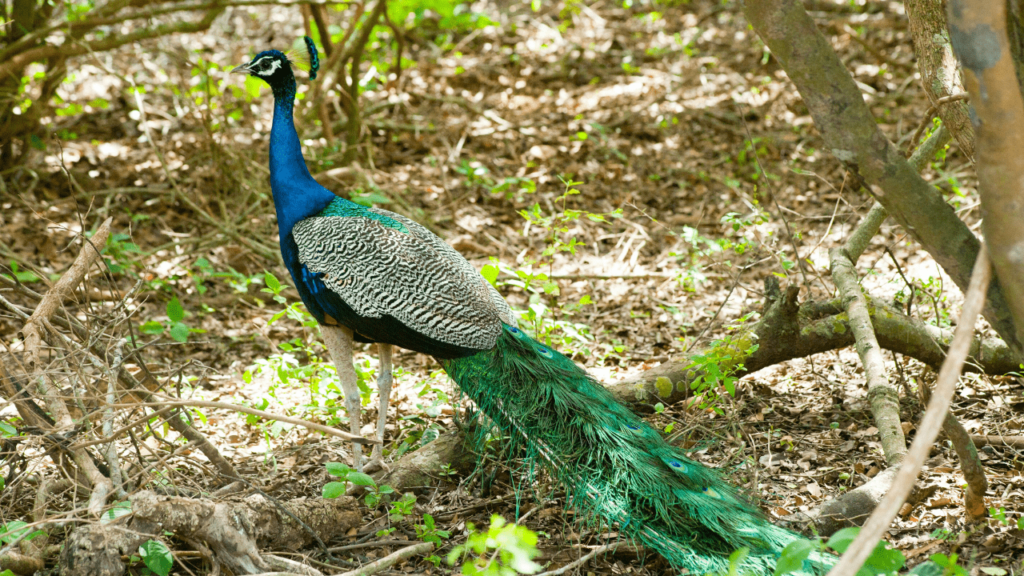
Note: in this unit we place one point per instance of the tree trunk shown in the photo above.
(940, 74)
(850, 132)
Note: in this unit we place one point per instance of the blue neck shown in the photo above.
(296, 194)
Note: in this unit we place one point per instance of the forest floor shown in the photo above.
(673, 121)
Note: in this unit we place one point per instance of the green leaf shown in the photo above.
(793, 556)
(338, 469)
(12, 531)
(175, 313)
(157, 557)
(333, 489)
(119, 509)
(490, 273)
(841, 540)
(360, 479)
(372, 500)
(6, 430)
(179, 332)
(883, 560)
(253, 86)
(152, 327)
(272, 282)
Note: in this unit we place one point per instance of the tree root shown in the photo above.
(234, 531)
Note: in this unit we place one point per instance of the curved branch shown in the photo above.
(14, 65)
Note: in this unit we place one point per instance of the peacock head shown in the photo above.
(275, 67)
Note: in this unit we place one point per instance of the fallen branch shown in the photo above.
(882, 397)
(422, 468)
(788, 330)
(989, 440)
(20, 563)
(391, 559)
(882, 517)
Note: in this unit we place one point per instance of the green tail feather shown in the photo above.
(612, 464)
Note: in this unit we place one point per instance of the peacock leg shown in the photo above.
(339, 343)
(384, 382)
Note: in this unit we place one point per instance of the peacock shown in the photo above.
(370, 275)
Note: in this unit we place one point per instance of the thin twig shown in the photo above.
(375, 544)
(932, 110)
(267, 415)
(577, 563)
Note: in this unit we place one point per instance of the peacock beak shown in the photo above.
(243, 69)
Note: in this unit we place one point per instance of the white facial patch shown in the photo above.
(266, 66)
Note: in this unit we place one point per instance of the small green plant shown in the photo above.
(294, 311)
(120, 253)
(717, 368)
(345, 475)
(999, 515)
(503, 550)
(514, 188)
(428, 531)
(175, 326)
(19, 275)
(18, 530)
(476, 173)
(7, 430)
(948, 564)
(374, 495)
(793, 556)
(883, 560)
(399, 510)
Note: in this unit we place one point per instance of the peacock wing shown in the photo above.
(446, 251)
(379, 270)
